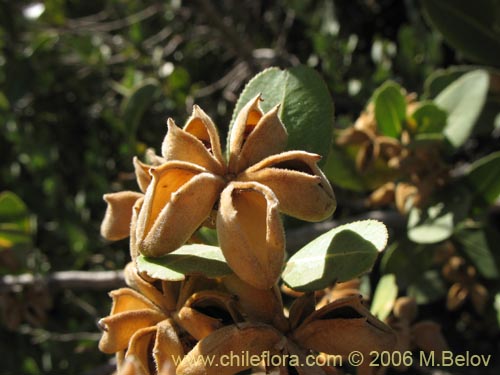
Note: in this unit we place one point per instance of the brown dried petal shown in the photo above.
(168, 348)
(456, 297)
(251, 338)
(131, 366)
(301, 308)
(343, 326)
(119, 328)
(251, 233)
(268, 309)
(294, 351)
(139, 349)
(166, 301)
(202, 127)
(142, 174)
(246, 121)
(134, 251)
(352, 136)
(269, 137)
(403, 193)
(405, 308)
(178, 200)
(197, 324)
(116, 223)
(479, 297)
(383, 195)
(300, 186)
(126, 299)
(365, 156)
(389, 147)
(183, 146)
(428, 337)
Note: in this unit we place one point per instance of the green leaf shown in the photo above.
(469, 26)
(194, 259)
(384, 297)
(428, 288)
(430, 225)
(338, 255)
(430, 118)
(16, 226)
(390, 109)
(464, 100)
(135, 105)
(407, 261)
(341, 170)
(437, 221)
(306, 107)
(496, 304)
(439, 79)
(475, 244)
(484, 177)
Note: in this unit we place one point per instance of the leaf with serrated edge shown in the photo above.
(193, 259)
(341, 254)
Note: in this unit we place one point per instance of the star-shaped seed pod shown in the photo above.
(464, 285)
(372, 145)
(258, 181)
(148, 325)
(338, 328)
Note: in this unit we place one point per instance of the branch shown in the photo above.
(87, 280)
(108, 280)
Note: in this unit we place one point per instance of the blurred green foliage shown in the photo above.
(85, 86)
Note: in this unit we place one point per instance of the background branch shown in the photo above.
(108, 280)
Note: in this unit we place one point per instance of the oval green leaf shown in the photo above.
(193, 259)
(464, 100)
(384, 297)
(475, 244)
(136, 103)
(306, 107)
(338, 255)
(484, 177)
(390, 109)
(469, 26)
(430, 225)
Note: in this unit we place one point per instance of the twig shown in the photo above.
(87, 280)
(234, 40)
(108, 280)
(87, 27)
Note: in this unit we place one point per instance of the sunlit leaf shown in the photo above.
(384, 297)
(306, 107)
(390, 109)
(464, 100)
(193, 259)
(437, 221)
(338, 255)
